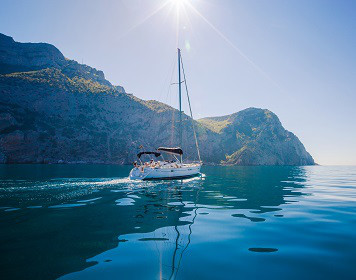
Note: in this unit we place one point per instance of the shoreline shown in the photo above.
(118, 164)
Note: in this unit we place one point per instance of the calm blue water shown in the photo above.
(91, 222)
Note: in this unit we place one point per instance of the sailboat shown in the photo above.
(169, 169)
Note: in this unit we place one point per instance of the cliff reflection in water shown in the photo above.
(112, 226)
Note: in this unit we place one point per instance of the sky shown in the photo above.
(296, 58)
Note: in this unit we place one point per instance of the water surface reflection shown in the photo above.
(81, 227)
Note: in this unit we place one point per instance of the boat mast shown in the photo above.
(180, 101)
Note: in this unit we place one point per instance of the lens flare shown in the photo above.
(187, 45)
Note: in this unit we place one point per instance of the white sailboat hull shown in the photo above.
(165, 172)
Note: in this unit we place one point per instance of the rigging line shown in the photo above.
(173, 128)
(170, 83)
(172, 66)
(191, 113)
(163, 117)
(170, 102)
(172, 123)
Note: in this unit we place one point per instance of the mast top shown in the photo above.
(180, 99)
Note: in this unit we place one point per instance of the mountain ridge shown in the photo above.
(55, 110)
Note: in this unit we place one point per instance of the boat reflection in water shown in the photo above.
(164, 216)
(107, 228)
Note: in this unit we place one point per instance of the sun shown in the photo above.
(179, 3)
(180, 8)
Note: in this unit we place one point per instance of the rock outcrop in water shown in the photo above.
(55, 110)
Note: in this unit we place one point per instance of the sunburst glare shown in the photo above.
(179, 3)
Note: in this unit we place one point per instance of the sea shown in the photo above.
(231, 222)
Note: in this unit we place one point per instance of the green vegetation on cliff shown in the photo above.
(54, 109)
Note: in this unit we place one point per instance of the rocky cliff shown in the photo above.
(55, 110)
(257, 137)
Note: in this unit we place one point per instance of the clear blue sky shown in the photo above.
(296, 58)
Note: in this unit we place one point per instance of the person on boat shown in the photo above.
(135, 164)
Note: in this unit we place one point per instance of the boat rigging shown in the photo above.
(169, 169)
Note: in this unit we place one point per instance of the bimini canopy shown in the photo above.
(148, 153)
(174, 151)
